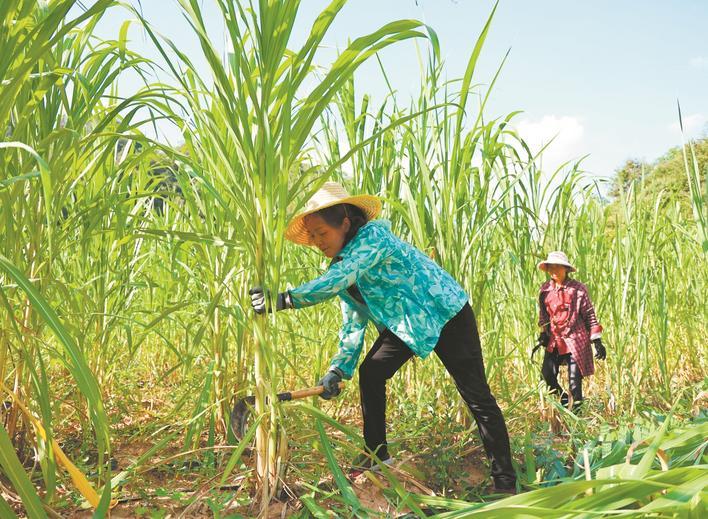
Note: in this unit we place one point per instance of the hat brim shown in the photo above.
(542, 265)
(296, 231)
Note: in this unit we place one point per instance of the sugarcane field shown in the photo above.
(353, 258)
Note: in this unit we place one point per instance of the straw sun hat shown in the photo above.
(331, 193)
(556, 258)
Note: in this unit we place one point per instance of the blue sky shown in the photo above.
(603, 75)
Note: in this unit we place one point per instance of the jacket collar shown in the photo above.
(360, 236)
(550, 285)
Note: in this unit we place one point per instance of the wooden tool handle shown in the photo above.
(304, 393)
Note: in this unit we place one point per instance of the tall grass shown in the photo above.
(246, 145)
(63, 187)
(125, 261)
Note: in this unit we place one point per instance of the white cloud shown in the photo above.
(693, 125)
(565, 132)
(699, 62)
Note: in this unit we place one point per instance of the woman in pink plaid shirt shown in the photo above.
(568, 322)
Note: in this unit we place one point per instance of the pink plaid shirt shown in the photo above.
(568, 314)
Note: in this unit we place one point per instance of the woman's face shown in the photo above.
(330, 240)
(557, 272)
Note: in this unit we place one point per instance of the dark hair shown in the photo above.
(335, 215)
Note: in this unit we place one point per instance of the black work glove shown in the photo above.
(600, 351)
(542, 341)
(259, 299)
(331, 381)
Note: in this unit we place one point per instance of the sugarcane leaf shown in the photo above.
(15, 472)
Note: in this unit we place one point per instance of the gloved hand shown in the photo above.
(600, 352)
(331, 381)
(542, 341)
(259, 298)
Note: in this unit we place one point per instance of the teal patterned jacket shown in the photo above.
(404, 290)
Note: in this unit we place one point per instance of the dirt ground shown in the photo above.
(173, 490)
(169, 484)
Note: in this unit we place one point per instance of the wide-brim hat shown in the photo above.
(556, 258)
(331, 193)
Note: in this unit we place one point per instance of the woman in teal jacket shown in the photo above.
(416, 306)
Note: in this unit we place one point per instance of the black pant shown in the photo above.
(459, 350)
(551, 365)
